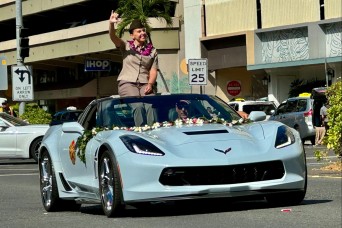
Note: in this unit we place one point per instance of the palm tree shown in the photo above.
(142, 10)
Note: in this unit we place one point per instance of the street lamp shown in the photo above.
(331, 74)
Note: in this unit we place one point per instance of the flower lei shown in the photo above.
(83, 140)
(145, 50)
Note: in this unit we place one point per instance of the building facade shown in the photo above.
(64, 35)
(255, 48)
(269, 45)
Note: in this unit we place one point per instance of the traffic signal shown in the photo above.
(24, 43)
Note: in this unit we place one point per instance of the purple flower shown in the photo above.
(145, 50)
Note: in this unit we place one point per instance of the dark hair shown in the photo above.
(182, 104)
(136, 23)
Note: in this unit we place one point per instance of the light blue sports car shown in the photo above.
(165, 148)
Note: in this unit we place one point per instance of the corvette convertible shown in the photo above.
(18, 139)
(161, 148)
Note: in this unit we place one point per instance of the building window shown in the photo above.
(321, 8)
(258, 4)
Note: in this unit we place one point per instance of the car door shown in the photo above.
(289, 115)
(8, 140)
(75, 170)
(280, 112)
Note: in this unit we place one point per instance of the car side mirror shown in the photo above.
(72, 127)
(257, 116)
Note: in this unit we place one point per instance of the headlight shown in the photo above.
(140, 146)
(284, 137)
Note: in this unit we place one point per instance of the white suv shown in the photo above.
(248, 106)
(297, 112)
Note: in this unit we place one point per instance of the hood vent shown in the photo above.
(206, 132)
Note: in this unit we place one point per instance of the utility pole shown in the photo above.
(19, 25)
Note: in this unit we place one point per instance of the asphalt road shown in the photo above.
(20, 206)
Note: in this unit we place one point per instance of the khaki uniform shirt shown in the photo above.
(136, 67)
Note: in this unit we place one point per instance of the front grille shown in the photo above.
(217, 175)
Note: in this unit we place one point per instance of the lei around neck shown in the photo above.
(144, 50)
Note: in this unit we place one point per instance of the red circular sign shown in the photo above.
(233, 88)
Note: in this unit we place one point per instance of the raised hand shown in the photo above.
(114, 17)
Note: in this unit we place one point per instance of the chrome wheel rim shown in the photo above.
(46, 181)
(107, 193)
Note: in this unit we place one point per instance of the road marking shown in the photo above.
(318, 176)
(323, 158)
(19, 174)
(19, 169)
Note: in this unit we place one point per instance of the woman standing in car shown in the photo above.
(140, 60)
(139, 68)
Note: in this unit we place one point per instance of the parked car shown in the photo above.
(68, 115)
(103, 158)
(302, 113)
(18, 139)
(248, 106)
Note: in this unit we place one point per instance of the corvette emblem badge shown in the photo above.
(224, 151)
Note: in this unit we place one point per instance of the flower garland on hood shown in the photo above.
(83, 140)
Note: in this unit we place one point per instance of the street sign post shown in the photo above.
(3, 73)
(22, 83)
(198, 71)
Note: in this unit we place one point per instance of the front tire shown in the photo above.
(291, 198)
(49, 188)
(110, 186)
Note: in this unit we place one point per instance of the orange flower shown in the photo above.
(72, 152)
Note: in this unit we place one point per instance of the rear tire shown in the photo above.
(110, 186)
(312, 140)
(49, 188)
(34, 148)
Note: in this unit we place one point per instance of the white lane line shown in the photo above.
(323, 176)
(19, 169)
(322, 157)
(19, 174)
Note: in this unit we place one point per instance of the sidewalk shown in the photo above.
(321, 168)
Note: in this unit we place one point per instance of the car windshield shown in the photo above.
(123, 112)
(13, 120)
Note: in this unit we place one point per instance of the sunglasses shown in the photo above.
(182, 105)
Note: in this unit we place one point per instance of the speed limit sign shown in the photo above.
(198, 71)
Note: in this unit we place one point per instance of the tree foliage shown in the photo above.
(142, 10)
(36, 115)
(298, 86)
(334, 139)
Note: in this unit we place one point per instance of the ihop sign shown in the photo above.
(96, 65)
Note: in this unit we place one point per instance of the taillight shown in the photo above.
(309, 113)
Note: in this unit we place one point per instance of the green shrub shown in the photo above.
(334, 138)
(36, 115)
(298, 86)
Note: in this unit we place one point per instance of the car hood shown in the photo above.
(207, 133)
(214, 140)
